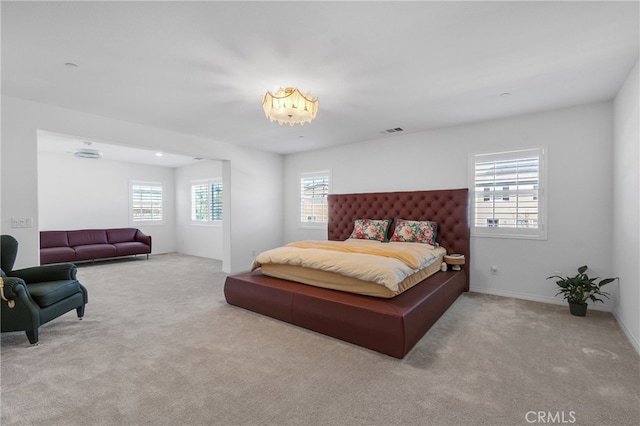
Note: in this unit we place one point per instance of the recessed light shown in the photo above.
(159, 154)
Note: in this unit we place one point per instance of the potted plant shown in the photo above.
(579, 289)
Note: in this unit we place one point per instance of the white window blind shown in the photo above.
(146, 201)
(508, 194)
(206, 201)
(314, 189)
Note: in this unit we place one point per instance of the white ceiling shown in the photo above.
(202, 67)
(65, 144)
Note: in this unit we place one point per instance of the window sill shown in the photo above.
(509, 236)
(143, 223)
(216, 224)
(320, 226)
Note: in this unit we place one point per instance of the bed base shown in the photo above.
(390, 326)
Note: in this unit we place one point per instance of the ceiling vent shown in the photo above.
(87, 153)
(394, 130)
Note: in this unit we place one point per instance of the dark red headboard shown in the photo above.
(449, 207)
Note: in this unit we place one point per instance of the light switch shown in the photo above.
(22, 222)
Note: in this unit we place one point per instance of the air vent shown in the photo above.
(394, 130)
(87, 153)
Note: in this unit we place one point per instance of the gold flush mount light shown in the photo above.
(290, 106)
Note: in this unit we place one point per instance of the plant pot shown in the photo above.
(578, 309)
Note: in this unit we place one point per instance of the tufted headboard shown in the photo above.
(449, 207)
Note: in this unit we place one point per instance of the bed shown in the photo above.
(388, 325)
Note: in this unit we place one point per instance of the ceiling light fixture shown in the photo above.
(290, 106)
(87, 152)
(393, 130)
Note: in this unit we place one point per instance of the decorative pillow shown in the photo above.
(370, 229)
(415, 231)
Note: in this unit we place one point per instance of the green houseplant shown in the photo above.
(579, 289)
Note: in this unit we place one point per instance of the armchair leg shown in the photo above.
(32, 335)
(80, 311)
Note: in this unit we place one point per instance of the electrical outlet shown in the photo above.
(494, 270)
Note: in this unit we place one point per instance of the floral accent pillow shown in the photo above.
(370, 229)
(416, 231)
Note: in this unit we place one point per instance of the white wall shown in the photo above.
(579, 144)
(255, 177)
(80, 193)
(196, 239)
(626, 206)
(257, 208)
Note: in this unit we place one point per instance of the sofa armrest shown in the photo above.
(19, 311)
(142, 238)
(13, 287)
(53, 272)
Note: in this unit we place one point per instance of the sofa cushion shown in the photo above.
(50, 239)
(57, 254)
(87, 237)
(128, 248)
(120, 235)
(95, 251)
(50, 292)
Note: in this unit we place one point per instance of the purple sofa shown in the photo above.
(92, 244)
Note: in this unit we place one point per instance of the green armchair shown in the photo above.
(34, 296)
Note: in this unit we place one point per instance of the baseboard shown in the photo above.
(524, 296)
(625, 330)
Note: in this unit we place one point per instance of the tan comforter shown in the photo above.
(383, 263)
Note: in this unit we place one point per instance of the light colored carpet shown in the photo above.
(160, 346)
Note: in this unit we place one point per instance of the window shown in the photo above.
(206, 201)
(492, 223)
(314, 189)
(507, 195)
(146, 202)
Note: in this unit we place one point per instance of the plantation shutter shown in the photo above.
(314, 189)
(216, 201)
(507, 192)
(200, 202)
(146, 201)
(206, 201)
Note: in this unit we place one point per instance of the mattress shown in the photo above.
(337, 267)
